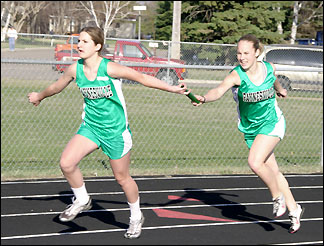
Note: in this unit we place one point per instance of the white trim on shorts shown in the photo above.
(128, 143)
(279, 129)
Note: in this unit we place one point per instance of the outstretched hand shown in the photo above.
(282, 93)
(200, 98)
(194, 100)
(34, 98)
(180, 89)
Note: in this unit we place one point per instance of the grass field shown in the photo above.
(170, 136)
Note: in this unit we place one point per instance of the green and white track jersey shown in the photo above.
(257, 106)
(104, 108)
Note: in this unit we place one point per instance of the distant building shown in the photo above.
(122, 29)
(69, 23)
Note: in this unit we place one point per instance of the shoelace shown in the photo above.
(70, 209)
(133, 226)
(293, 219)
(276, 204)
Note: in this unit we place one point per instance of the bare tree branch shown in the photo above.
(23, 10)
(91, 11)
(110, 11)
(312, 15)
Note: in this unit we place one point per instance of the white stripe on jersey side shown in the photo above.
(278, 110)
(280, 127)
(118, 87)
(126, 134)
(83, 112)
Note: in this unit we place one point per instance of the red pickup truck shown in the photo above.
(131, 53)
(72, 41)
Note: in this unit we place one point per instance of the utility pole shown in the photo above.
(176, 24)
(139, 8)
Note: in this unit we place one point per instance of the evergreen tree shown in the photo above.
(225, 21)
(163, 21)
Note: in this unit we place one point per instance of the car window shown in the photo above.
(74, 39)
(132, 51)
(74, 51)
(310, 58)
(146, 50)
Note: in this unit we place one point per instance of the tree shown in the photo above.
(311, 12)
(197, 19)
(34, 8)
(297, 6)
(306, 12)
(22, 12)
(148, 17)
(221, 21)
(5, 29)
(283, 8)
(163, 22)
(103, 13)
(61, 13)
(256, 17)
(176, 26)
(226, 21)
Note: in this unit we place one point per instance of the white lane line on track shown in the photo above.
(157, 178)
(158, 191)
(152, 228)
(300, 243)
(160, 207)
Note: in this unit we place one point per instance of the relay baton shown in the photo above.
(192, 97)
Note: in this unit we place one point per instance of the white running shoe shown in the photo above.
(74, 209)
(279, 206)
(135, 228)
(295, 217)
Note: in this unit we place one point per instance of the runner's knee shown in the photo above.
(67, 165)
(123, 180)
(255, 165)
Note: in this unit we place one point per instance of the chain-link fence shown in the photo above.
(170, 135)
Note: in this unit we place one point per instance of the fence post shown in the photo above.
(322, 151)
(169, 56)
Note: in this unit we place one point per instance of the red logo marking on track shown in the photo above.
(182, 198)
(180, 215)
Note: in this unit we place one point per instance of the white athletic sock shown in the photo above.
(81, 194)
(135, 210)
(295, 212)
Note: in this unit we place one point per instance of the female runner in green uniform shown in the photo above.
(104, 122)
(254, 85)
